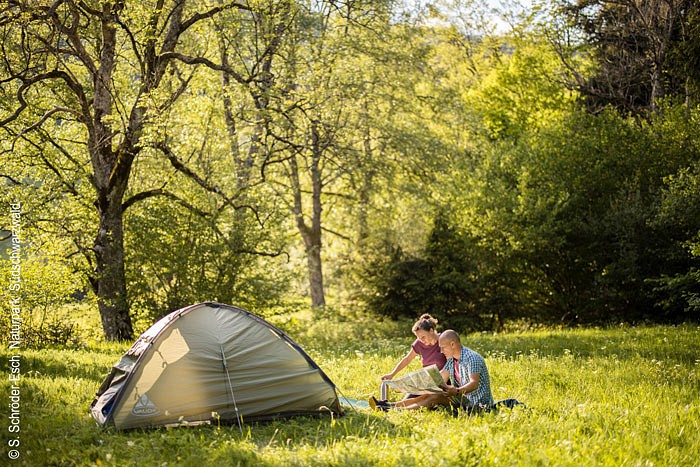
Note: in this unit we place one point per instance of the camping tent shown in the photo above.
(212, 361)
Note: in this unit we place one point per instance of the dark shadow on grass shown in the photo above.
(52, 366)
(226, 445)
(188, 445)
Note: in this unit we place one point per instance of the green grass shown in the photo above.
(623, 396)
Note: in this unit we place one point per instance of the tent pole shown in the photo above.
(230, 386)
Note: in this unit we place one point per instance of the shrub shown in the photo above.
(441, 281)
(45, 288)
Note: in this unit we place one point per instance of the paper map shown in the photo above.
(427, 380)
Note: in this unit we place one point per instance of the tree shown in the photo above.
(636, 46)
(104, 71)
(440, 280)
(314, 127)
(559, 202)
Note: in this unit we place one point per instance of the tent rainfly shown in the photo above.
(211, 362)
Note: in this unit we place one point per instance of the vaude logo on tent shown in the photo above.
(144, 406)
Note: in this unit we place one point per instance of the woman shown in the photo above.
(426, 346)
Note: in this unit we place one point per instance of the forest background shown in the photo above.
(359, 159)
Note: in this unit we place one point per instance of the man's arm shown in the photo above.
(445, 375)
(471, 385)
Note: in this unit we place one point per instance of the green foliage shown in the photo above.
(679, 216)
(396, 285)
(356, 126)
(46, 288)
(679, 295)
(622, 396)
(442, 281)
(568, 208)
(521, 89)
(195, 263)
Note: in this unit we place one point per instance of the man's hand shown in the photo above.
(449, 390)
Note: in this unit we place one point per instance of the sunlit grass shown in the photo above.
(624, 396)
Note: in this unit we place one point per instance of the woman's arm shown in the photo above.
(401, 365)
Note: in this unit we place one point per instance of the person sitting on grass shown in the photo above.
(426, 346)
(471, 385)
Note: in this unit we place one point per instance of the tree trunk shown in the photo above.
(313, 252)
(111, 177)
(368, 170)
(311, 234)
(110, 283)
(313, 246)
(312, 243)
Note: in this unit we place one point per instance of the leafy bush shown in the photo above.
(441, 281)
(174, 264)
(678, 293)
(45, 289)
(567, 216)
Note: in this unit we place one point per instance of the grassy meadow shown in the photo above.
(619, 396)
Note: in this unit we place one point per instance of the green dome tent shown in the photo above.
(212, 361)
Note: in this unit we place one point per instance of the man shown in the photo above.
(471, 385)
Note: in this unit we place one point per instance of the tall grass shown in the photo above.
(624, 396)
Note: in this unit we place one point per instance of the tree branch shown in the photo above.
(55, 74)
(208, 63)
(134, 45)
(145, 195)
(208, 14)
(43, 119)
(337, 234)
(208, 217)
(12, 180)
(166, 194)
(183, 169)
